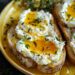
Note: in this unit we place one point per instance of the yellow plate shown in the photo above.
(11, 10)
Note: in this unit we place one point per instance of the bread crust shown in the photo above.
(70, 53)
(25, 60)
(62, 26)
(57, 66)
(66, 32)
(29, 62)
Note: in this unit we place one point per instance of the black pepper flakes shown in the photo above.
(12, 21)
(5, 32)
(22, 23)
(13, 35)
(55, 52)
(46, 39)
(8, 25)
(35, 43)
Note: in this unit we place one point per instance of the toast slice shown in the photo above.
(70, 53)
(65, 30)
(12, 40)
(62, 26)
(51, 68)
(57, 66)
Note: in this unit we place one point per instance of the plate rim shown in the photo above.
(15, 65)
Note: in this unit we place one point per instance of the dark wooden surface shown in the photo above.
(5, 67)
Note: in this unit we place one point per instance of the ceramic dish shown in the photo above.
(68, 69)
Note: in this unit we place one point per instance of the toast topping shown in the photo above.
(41, 47)
(39, 40)
(71, 10)
(68, 13)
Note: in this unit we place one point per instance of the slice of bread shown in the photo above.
(54, 67)
(12, 40)
(70, 53)
(51, 68)
(66, 31)
(62, 26)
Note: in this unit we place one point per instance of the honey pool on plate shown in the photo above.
(12, 11)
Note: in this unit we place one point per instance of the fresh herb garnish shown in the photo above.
(27, 46)
(28, 38)
(37, 20)
(25, 37)
(57, 38)
(29, 30)
(38, 4)
(73, 36)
